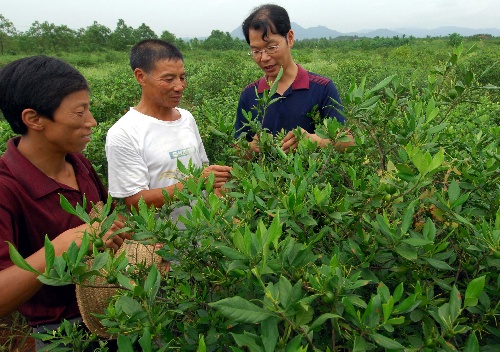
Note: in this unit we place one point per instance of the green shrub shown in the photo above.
(392, 245)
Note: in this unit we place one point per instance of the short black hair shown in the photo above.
(39, 83)
(146, 53)
(268, 17)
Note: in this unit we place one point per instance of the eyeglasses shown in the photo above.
(270, 50)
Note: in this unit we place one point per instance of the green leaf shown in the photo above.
(384, 225)
(145, 341)
(60, 266)
(474, 289)
(100, 260)
(455, 303)
(381, 84)
(387, 308)
(248, 340)
(125, 281)
(408, 218)
(84, 247)
(129, 305)
(417, 242)
(371, 316)
(125, 344)
(386, 342)
(369, 102)
(66, 205)
(438, 264)
(285, 290)
(407, 305)
(437, 161)
(461, 200)
(407, 251)
(269, 334)
(51, 281)
(359, 344)
(274, 232)
(231, 253)
(49, 254)
(307, 220)
(240, 310)
(472, 344)
(398, 292)
(19, 261)
(349, 308)
(453, 191)
(202, 347)
(152, 284)
(322, 318)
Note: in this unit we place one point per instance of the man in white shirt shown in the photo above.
(143, 146)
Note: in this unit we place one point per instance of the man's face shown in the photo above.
(163, 86)
(278, 47)
(71, 128)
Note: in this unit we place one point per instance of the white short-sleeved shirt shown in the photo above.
(142, 151)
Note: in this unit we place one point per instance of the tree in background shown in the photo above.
(219, 40)
(96, 37)
(455, 39)
(144, 32)
(122, 37)
(45, 35)
(7, 30)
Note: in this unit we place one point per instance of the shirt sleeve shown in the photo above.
(127, 172)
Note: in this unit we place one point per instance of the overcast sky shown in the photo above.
(197, 18)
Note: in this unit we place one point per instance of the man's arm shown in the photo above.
(290, 142)
(152, 196)
(155, 196)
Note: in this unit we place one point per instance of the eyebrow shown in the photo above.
(272, 42)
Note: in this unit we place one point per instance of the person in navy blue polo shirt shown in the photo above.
(45, 101)
(268, 32)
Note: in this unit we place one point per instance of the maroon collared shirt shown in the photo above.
(29, 210)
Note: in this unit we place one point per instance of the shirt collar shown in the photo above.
(300, 82)
(36, 183)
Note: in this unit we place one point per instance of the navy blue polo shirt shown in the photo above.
(307, 91)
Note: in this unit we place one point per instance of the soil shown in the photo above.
(14, 334)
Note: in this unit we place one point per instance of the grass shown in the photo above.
(15, 334)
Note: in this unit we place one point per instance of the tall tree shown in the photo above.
(122, 37)
(144, 32)
(47, 37)
(7, 30)
(167, 36)
(219, 40)
(96, 37)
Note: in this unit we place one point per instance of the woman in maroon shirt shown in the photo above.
(46, 101)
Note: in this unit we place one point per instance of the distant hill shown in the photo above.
(324, 32)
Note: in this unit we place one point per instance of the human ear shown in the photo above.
(290, 37)
(32, 119)
(140, 76)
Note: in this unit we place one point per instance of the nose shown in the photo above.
(264, 56)
(180, 86)
(90, 121)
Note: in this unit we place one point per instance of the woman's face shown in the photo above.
(71, 127)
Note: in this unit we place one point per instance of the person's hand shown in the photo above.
(290, 142)
(220, 192)
(222, 174)
(254, 144)
(115, 241)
